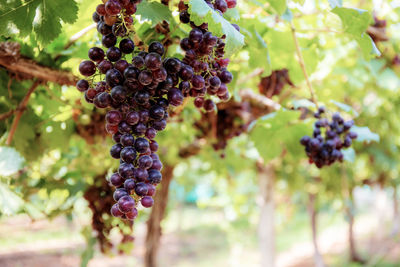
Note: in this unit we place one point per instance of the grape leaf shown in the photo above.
(258, 51)
(10, 161)
(278, 5)
(365, 134)
(349, 154)
(276, 131)
(345, 107)
(10, 203)
(154, 12)
(42, 16)
(200, 12)
(355, 22)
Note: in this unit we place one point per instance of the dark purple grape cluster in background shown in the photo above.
(139, 93)
(204, 57)
(329, 137)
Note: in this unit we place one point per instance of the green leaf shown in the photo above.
(276, 131)
(200, 12)
(302, 103)
(349, 154)
(345, 107)
(354, 21)
(368, 46)
(154, 12)
(278, 5)
(10, 161)
(42, 16)
(10, 203)
(365, 134)
(258, 51)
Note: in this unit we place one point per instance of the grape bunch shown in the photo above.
(137, 95)
(325, 150)
(204, 57)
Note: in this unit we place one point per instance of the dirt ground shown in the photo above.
(64, 252)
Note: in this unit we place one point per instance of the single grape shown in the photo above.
(129, 185)
(114, 54)
(119, 192)
(175, 97)
(126, 170)
(141, 189)
(87, 68)
(126, 46)
(116, 180)
(155, 176)
(156, 47)
(141, 145)
(82, 85)
(109, 40)
(115, 211)
(126, 204)
(113, 117)
(113, 7)
(153, 61)
(128, 154)
(147, 202)
(115, 151)
(145, 162)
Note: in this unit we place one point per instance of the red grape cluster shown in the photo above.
(204, 57)
(138, 95)
(326, 150)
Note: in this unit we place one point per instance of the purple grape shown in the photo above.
(109, 40)
(141, 145)
(126, 170)
(115, 211)
(126, 46)
(129, 185)
(119, 192)
(87, 68)
(113, 117)
(82, 85)
(175, 97)
(155, 176)
(114, 54)
(147, 201)
(156, 47)
(153, 61)
(96, 54)
(145, 162)
(116, 180)
(132, 118)
(128, 154)
(126, 204)
(115, 151)
(141, 189)
(127, 140)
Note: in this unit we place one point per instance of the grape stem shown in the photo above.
(20, 111)
(302, 66)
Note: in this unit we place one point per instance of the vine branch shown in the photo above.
(20, 111)
(303, 66)
(25, 68)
